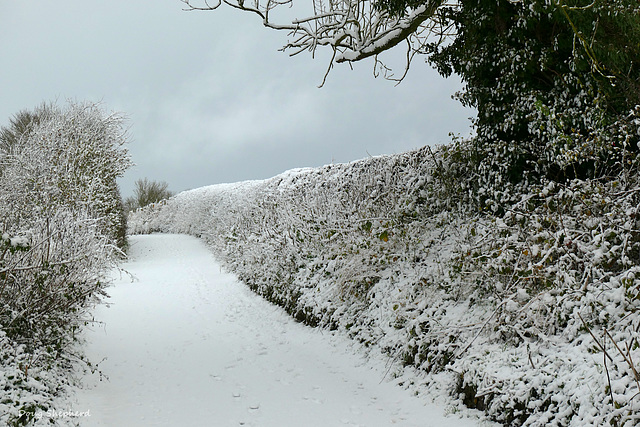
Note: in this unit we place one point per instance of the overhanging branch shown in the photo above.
(353, 29)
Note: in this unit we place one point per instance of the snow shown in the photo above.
(185, 343)
(450, 293)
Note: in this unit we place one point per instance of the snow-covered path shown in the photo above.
(188, 345)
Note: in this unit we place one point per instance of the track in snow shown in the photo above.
(188, 345)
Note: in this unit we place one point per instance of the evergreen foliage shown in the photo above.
(555, 83)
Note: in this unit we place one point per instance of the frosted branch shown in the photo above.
(352, 29)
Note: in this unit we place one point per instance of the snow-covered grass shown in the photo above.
(530, 315)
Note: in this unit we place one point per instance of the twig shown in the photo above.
(594, 338)
(624, 356)
(608, 378)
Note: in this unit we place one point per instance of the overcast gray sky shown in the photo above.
(209, 97)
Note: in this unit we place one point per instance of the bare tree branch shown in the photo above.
(352, 29)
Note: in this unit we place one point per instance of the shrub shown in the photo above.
(62, 222)
(394, 252)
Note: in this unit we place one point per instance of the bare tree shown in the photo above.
(19, 125)
(147, 192)
(353, 29)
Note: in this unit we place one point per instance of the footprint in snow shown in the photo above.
(355, 410)
(311, 399)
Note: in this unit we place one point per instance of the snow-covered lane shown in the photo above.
(185, 344)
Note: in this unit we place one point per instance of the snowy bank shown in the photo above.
(531, 316)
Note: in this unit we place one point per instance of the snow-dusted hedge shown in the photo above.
(60, 222)
(531, 316)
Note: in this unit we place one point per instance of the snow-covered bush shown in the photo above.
(48, 278)
(49, 274)
(28, 385)
(65, 157)
(61, 225)
(560, 273)
(531, 316)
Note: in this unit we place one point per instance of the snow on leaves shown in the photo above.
(390, 251)
(61, 212)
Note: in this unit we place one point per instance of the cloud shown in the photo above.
(210, 98)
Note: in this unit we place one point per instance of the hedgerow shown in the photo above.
(61, 230)
(531, 313)
(507, 260)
